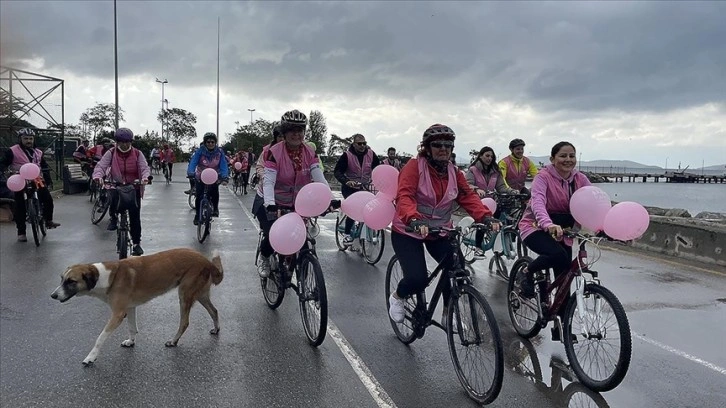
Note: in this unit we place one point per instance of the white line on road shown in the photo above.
(380, 396)
(683, 354)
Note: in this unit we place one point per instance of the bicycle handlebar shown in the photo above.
(334, 204)
(600, 234)
(485, 226)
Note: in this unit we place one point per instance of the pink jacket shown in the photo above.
(123, 168)
(550, 194)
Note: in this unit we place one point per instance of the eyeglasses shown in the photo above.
(443, 145)
(361, 143)
(210, 141)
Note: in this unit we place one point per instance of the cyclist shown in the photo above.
(260, 172)
(548, 213)
(210, 156)
(516, 167)
(354, 168)
(245, 159)
(428, 188)
(167, 158)
(289, 166)
(155, 154)
(97, 151)
(21, 153)
(392, 159)
(80, 156)
(124, 164)
(485, 178)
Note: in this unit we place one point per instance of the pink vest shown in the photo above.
(438, 214)
(396, 163)
(516, 177)
(20, 157)
(99, 152)
(125, 169)
(245, 161)
(481, 181)
(261, 176)
(289, 182)
(208, 163)
(357, 173)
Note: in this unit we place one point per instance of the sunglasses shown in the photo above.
(444, 144)
(361, 143)
(210, 141)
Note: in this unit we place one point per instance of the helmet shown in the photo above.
(26, 132)
(123, 135)
(516, 142)
(436, 131)
(291, 120)
(209, 135)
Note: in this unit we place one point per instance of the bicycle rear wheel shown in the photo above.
(34, 219)
(205, 218)
(523, 312)
(404, 331)
(100, 207)
(508, 256)
(373, 243)
(340, 231)
(313, 299)
(475, 344)
(600, 346)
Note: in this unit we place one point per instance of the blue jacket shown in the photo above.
(222, 168)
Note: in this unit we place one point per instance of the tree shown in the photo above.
(101, 117)
(10, 109)
(253, 136)
(316, 131)
(338, 145)
(179, 125)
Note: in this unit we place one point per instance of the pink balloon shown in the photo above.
(385, 197)
(209, 176)
(489, 203)
(313, 199)
(29, 171)
(238, 166)
(354, 204)
(288, 234)
(385, 179)
(626, 221)
(377, 214)
(589, 205)
(16, 182)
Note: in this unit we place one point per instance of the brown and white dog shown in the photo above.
(133, 281)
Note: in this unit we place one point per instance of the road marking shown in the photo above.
(683, 354)
(380, 396)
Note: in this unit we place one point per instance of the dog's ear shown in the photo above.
(90, 276)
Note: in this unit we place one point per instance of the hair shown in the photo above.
(357, 136)
(556, 148)
(391, 148)
(493, 164)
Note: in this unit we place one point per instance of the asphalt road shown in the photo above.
(677, 314)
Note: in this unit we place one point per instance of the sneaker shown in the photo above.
(112, 225)
(264, 267)
(51, 225)
(22, 238)
(196, 220)
(479, 253)
(397, 311)
(215, 213)
(347, 239)
(136, 250)
(188, 191)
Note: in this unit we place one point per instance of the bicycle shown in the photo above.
(309, 284)
(192, 196)
(237, 182)
(372, 242)
(204, 215)
(123, 232)
(34, 211)
(165, 169)
(590, 311)
(472, 328)
(155, 165)
(100, 206)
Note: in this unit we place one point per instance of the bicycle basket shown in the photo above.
(126, 198)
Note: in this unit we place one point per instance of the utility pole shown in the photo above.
(218, 24)
(115, 59)
(251, 110)
(162, 105)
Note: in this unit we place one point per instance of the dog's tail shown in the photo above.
(218, 272)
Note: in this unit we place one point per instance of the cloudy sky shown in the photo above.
(642, 81)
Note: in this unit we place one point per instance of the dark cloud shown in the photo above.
(649, 56)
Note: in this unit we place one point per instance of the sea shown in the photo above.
(693, 197)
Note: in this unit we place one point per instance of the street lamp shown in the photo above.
(251, 110)
(666, 167)
(162, 105)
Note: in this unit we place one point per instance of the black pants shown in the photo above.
(46, 201)
(552, 254)
(347, 191)
(212, 194)
(261, 214)
(168, 166)
(412, 258)
(134, 214)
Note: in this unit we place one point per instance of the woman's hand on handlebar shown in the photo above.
(419, 226)
(493, 223)
(555, 231)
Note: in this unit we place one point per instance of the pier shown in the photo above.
(621, 175)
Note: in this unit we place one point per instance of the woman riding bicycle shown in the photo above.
(210, 156)
(124, 164)
(485, 178)
(167, 159)
(548, 213)
(428, 187)
(288, 167)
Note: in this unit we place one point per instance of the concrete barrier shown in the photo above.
(691, 239)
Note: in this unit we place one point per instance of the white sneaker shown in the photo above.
(397, 311)
(347, 239)
(479, 254)
(264, 267)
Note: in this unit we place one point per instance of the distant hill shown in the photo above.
(599, 163)
(716, 167)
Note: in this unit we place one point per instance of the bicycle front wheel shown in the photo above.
(475, 344)
(600, 346)
(34, 219)
(340, 231)
(313, 300)
(205, 215)
(122, 241)
(100, 207)
(404, 331)
(508, 256)
(373, 243)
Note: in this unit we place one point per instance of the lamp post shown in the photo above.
(251, 110)
(162, 105)
(666, 167)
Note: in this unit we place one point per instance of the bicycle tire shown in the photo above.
(467, 249)
(272, 288)
(526, 323)
(404, 331)
(41, 221)
(204, 220)
(611, 380)
(33, 218)
(122, 239)
(339, 231)
(313, 299)
(99, 210)
(371, 255)
(481, 331)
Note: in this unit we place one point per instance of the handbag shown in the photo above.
(126, 197)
